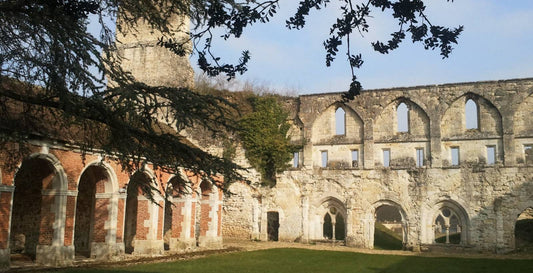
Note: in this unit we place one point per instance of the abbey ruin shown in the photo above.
(460, 163)
(453, 161)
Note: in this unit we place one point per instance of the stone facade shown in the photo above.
(477, 193)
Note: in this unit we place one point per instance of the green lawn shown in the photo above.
(307, 261)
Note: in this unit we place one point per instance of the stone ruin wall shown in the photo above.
(486, 198)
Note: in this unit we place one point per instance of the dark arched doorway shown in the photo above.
(523, 232)
(388, 228)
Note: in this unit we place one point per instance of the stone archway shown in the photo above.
(388, 225)
(329, 221)
(523, 231)
(449, 223)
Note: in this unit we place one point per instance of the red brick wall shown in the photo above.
(120, 220)
(177, 219)
(46, 232)
(193, 212)
(160, 220)
(101, 215)
(69, 219)
(142, 215)
(219, 224)
(204, 218)
(5, 211)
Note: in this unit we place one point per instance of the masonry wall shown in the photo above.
(485, 198)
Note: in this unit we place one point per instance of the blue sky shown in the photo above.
(497, 43)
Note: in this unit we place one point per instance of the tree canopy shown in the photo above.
(47, 59)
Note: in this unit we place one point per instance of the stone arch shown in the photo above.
(323, 128)
(141, 229)
(403, 221)
(523, 230)
(39, 208)
(447, 217)
(453, 123)
(95, 224)
(510, 219)
(418, 121)
(333, 208)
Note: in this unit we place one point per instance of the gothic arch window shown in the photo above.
(340, 121)
(471, 114)
(334, 225)
(448, 227)
(402, 117)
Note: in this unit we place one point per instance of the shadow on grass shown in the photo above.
(386, 239)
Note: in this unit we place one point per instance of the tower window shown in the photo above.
(471, 114)
(402, 114)
(340, 121)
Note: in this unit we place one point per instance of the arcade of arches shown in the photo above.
(55, 208)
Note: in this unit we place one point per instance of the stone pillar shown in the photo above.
(6, 204)
(305, 218)
(368, 145)
(435, 152)
(52, 248)
(256, 218)
(181, 238)
(210, 235)
(147, 240)
(106, 248)
(307, 160)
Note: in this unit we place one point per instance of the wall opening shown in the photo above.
(296, 160)
(471, 114)
(455, 156)
(33, 176)
(334, 226)
(386, 157)
(88, 212)
(324, 159)
(448, 227)
(523, 231)
(420, 157)
(340, 121)
(355, 158)
(273, 225)
(202, 215)
(402, 115)
(491, 155)
(388, 228)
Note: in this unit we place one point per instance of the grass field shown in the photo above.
(293, 260)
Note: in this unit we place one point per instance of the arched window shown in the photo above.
(471, 114)
(340, 121)
(402, 114)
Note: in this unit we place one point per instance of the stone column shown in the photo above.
(256, 218)
(305, 218)
(368, 145)
(210, 221)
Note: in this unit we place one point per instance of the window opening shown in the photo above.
(296, 160)
(420, 157)
(471, 115)
(528, 153)
(324, 155)
(455, 156)
(491, 155)
(402, 113)
(340, 121)
(448, 227)
(355, 158)
(386, 157)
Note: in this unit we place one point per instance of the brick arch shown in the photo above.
(323, 126)
(453, 119)
(419, 121)
(95, 223)
(49, 200)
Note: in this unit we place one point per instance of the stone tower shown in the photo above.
(153, 64)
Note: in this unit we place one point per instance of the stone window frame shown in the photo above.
(494, 154)
(338, 130)
(407, 114)
(385, 163)
(420, 161)
(324, 161)
(452, 161)
(475, 102)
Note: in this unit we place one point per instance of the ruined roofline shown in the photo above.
(422, 86)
